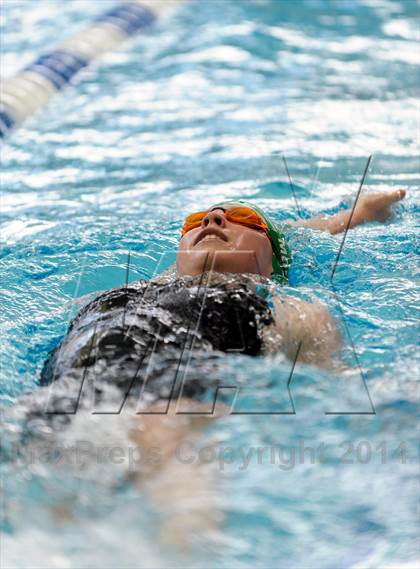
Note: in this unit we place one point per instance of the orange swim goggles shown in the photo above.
(236, 214)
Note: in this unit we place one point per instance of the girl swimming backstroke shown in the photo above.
(152, 351)
(221, 298)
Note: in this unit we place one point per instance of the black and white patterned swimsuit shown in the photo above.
(139, 337)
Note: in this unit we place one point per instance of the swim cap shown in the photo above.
(282, 257)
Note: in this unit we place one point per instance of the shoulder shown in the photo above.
(309, 315)
(308, 327)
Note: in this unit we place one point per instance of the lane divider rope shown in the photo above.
(29, 90)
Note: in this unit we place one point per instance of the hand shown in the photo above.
(370, 207)
(377, 207)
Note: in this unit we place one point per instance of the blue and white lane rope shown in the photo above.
(31, 88)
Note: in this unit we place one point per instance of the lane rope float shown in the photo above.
(30, 89)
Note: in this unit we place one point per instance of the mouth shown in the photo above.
(210, 235)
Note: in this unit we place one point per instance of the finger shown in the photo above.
(395, 196)
(388, 198)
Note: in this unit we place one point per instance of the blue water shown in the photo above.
(201, 109)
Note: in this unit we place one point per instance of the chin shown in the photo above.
(220, 258)
(220, 263)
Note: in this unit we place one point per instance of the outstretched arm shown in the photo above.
(370, 207)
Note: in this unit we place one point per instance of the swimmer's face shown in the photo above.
(224, 246)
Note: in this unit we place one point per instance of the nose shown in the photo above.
(216, 217)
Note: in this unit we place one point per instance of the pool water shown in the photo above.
(202, 109)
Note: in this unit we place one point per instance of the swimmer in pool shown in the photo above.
(221, 298)
(161, 342)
